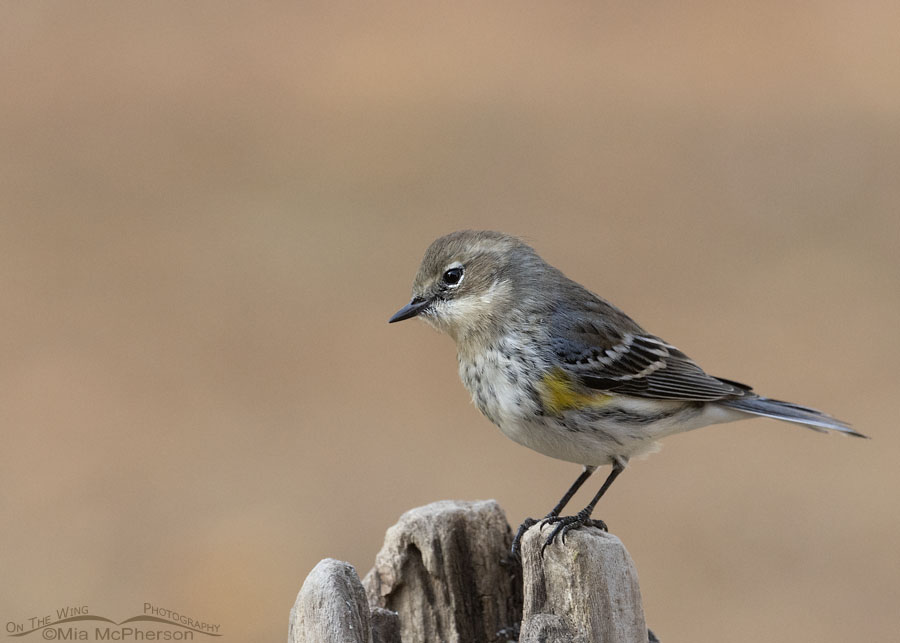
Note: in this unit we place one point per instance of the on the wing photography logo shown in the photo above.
(78, 623)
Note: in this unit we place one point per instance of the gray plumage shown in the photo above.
(563, 371)
(589, 338)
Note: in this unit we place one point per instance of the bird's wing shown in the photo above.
(634, 363)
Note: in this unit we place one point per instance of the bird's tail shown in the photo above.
(810, 418)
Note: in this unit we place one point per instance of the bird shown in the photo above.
(566, 373)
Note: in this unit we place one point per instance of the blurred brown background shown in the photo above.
(210, 210)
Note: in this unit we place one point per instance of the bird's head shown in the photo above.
(472, 282)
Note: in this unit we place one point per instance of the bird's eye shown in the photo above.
(453, 276)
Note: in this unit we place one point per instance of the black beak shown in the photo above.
(413, 308)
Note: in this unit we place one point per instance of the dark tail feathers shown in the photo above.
(810, 418)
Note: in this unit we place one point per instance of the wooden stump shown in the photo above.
(583, 590)
(445, 574)
(445, 569)
(331, 606)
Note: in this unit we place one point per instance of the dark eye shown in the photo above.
(452, 276)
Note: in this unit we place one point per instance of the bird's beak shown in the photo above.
(413, 308)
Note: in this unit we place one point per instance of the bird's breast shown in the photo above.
(502, 380)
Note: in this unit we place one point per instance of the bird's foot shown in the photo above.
(566, 523)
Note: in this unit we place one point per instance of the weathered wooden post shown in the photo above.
(444, 574)
(585, 590)
(331, 606)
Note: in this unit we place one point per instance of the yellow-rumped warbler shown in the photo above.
(564, 372)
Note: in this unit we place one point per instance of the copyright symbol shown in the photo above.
(49, 633)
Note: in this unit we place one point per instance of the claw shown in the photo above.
(517, 541)
(566, 523)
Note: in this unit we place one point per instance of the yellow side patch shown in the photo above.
(559, 393)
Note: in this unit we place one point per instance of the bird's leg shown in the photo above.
(585, 474)
(530, 522)
(583, 517)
